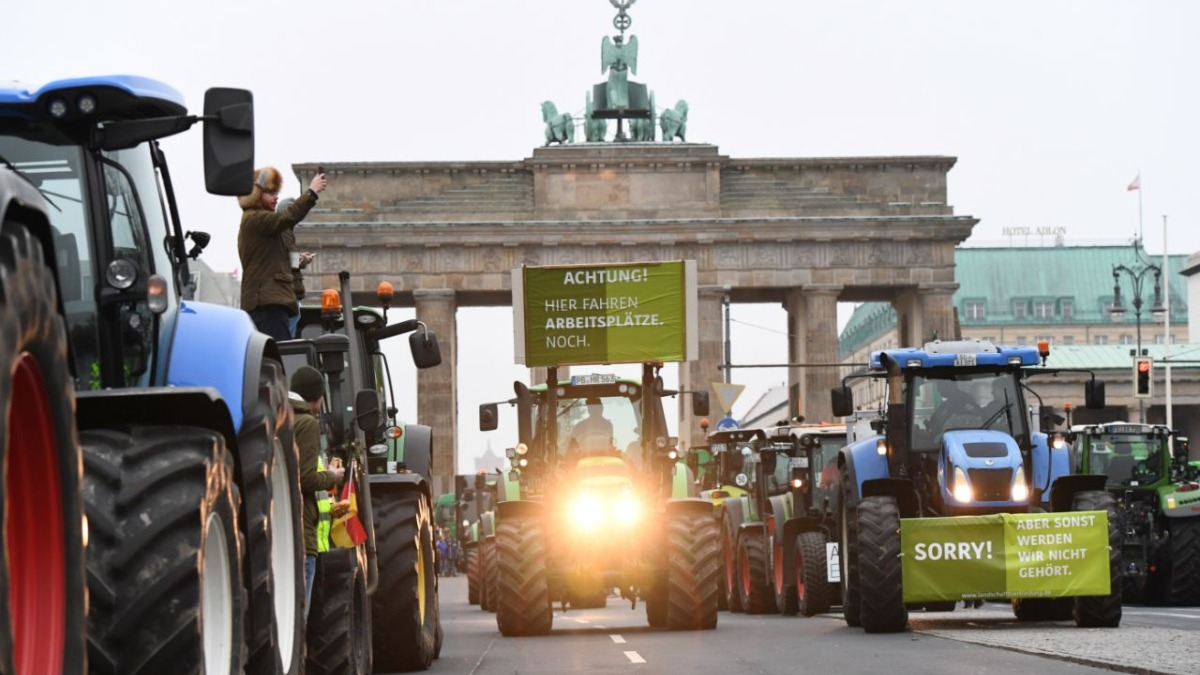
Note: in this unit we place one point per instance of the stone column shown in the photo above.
(797, 352)
(909, 324)
(937, 312)
(698, 375)
(821, 347)
(437, 394)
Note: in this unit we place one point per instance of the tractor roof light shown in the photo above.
(86, 104)
(156, 294)
(522, 449)
(393, 433)
(1043, 347)
(914, 363)
(121, 274)
(58, 108)
(331, 303)
(385, 292)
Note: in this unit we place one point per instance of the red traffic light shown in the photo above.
(1143, 366)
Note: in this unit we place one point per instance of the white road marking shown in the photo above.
(634, 657)
(617, 639)
(580, 620)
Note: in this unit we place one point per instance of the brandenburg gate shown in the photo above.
(803, 232)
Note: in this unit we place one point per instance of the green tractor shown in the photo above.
(588, 507)
(774, 535)
(715, 479)
(376, 603)
(1159, 500)
(473, 498)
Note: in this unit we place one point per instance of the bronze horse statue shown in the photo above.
(674, 122)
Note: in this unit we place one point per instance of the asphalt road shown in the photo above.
(617, 640)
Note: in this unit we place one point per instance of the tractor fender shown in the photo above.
(1048, 465)
(158, 406)
(735, 512)
(418, 449)
(206, 335)
(792, 529)
(693, 506)
(862, 462)
(390, 483)
(520, 509)
(900, 488)
(1184, 511)
(1064, 489)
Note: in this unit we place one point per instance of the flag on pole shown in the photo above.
(1136, 184)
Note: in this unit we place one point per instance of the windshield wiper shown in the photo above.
(37, 187)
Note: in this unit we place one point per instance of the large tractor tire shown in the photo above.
(731, 577)
(487, 574)
(693, 572)
(41, 551)
(270, 482)
(783, 582)
(656, 604)
(1180, 576)
(472, 556)
(814, 591)
(522, 596)
(882, 593)
(339, 623)
(404, 607)
(848, 550)
(1102, 611)
(754, 588)
(164, 555)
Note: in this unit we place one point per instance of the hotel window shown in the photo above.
(1043, 310)
(1020, 309)
(1068, 340)
(976, 311)
(1066, 308)
(1020, 340)
(1100, 339)
(1126, 339)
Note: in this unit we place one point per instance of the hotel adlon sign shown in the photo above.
(618, 313)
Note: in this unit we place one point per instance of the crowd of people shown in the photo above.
(449, 553)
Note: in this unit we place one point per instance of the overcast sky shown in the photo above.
(1051, 107)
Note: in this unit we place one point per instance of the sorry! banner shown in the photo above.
(1029, 555)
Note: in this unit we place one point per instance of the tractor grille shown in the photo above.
(991, 485)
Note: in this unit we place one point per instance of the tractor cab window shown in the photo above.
(57, 171)
(1127, 460)
(599, 425)
(949, 401)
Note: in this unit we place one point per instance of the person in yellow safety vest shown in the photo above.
(308, 393)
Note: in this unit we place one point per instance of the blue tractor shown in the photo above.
(955, 439)
(151, 462)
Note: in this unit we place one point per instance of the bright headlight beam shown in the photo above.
(626, 509)
(585, 511)
(963, 493)
(1020, 491)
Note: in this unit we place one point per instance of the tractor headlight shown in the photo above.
(377, 449)
(586, 511)
(962, 487)
(1020, 491)
(627, 510)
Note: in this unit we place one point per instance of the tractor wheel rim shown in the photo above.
(35, 533)
(421, 582)
(283, 551)
(216, 592)
(799, 575)
(778, 562)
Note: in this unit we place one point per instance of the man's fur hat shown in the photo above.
(266, 179)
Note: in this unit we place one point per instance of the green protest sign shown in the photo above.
(1005, 556)
(621, 313)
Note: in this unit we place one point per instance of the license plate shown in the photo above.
(964, 360)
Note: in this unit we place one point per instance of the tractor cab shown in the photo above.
(1129, 455)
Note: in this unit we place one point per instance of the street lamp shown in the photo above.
(1117, 312)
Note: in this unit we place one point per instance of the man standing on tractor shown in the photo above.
(267, 290)
(308, 391)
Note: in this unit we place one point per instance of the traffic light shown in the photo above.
(1143, 377)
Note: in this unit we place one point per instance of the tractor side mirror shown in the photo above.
(228, 141)
(843, 401)
(489, 417)
(366, 409)
(424, 347)
(700, 403)
(1093, 395)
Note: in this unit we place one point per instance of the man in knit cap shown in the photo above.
(307, 394)
(267, 281)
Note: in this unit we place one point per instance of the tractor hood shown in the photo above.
(988, 461)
